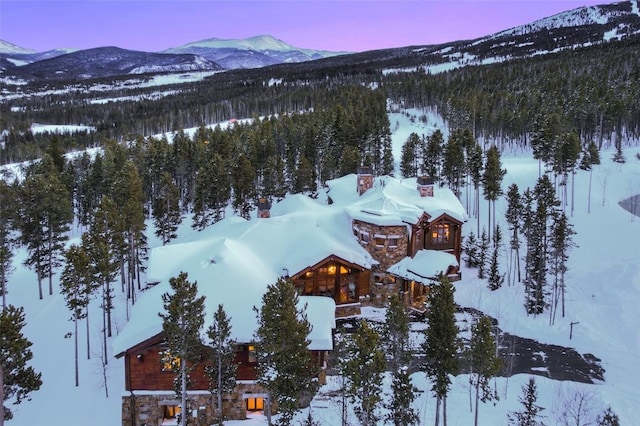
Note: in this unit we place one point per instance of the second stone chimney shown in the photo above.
(425, 186)
(264, 208)
(365, 179)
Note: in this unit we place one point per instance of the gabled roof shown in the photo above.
(394, 202)
(235, 260)
(425, 265)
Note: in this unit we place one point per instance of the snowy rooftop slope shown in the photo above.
(394, 202)
(426, 264)
(234, 261)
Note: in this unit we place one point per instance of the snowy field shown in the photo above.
(603, 295)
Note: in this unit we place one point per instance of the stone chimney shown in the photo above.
(425, 186)
(365, 179)
(264, 208)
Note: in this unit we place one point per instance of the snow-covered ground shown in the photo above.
(603, 294)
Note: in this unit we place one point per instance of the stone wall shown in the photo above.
(148, 406)
(388, 245)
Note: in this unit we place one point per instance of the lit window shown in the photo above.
(380, 241)
(255, 404)
(169, 362)
(252, 354)
(440, 233)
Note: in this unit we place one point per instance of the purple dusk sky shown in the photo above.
(338, 25)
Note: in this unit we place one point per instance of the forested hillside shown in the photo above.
(594, 89)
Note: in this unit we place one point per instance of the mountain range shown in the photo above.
(581, 27)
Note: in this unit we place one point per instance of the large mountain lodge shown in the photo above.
(375, 236)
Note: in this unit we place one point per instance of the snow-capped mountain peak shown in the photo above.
(6, 47)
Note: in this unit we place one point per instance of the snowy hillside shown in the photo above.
(6, 47)
(603, 295)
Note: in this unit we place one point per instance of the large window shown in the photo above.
(440, 233)
(255, 404)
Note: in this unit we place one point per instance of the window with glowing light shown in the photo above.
(168, 361)
(440, 233)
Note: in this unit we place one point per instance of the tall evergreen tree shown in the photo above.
(243, 178)
(530, 414)
(492, 181)
(409, 161)
(396, 339)
(495, 279)
(77, 287)
(46, 212)
(432, 158)
(483, 361)
(483, 253)
(18, 378)
(453, 164)
(285, 367)
(470, 248)
(513, 218)
(441, 342)
(7, 237)
(364, 368)
(182, 320)
(222, 368)
(561, 243)
(166, 209)
(590, 157)
(103, 243)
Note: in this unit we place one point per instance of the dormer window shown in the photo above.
(440, 233)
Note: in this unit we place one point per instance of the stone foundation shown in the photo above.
(145, 408)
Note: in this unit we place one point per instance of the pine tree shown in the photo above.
(7, 239)
(513, 217)
(409, 159)
(403, 393)
(432, 158)
(166, 209)
(18, 379)
(77, 287)
(441, 342)
(103, 244)
(476, 167)
(561, 243)
(492, 181)
(453, 164)
(243, 181)
(396, 338)
(222, 368)
(182, 321)
(364, 368)
(483, 361)
(590, 157)
(285, 367)
(396, 334)
(46, 212)
(470, 248)
(608, 418)
(529, 416)
(483, 248)
(495, 279)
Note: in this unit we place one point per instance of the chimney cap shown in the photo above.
(425, 180)
(365, 170)
(264, 203)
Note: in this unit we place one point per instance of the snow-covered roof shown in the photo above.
(394, 202)
(235, 260)
(424, 265)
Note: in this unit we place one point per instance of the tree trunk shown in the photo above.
(220, 386)
(39, 273)
(87, 322)
(75, 347)
(183, 403)
(444, 410)
(1, 396)
(438, 400)
(589, 196)
(475, 421)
